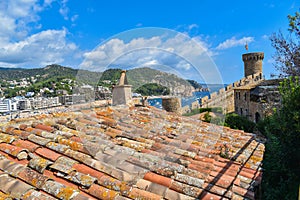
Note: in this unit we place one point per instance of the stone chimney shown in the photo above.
(121, 94)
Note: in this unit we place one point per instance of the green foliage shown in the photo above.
(239, 122)
(282, 158)
(111, 75)
(202, 110)
(193, 112)
(231, 120)
(153, 89)
(207, 117)
(48, 72)
(287, 55)
(214, 110)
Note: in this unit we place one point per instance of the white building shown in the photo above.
(7, 105)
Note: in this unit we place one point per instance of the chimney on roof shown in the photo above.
(121, 94)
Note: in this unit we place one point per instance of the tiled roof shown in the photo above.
(126, 153)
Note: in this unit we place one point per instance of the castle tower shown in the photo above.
(121, 93)
(253, 63)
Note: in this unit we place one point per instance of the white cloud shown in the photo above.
(142, 51)
(139, 25)
(18, 47)
(265, 37)
(43, 48)
(233, 42)
(74, 18)
(15, 16)
(191, 26)
(64, 10)
(187, 56)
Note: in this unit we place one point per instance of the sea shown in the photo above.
(157, 102)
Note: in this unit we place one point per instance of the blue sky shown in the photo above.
(91, 33)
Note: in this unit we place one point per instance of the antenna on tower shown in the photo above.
(246, 46)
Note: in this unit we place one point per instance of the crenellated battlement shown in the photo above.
(253, 56)
(252, 63)
(222, 98)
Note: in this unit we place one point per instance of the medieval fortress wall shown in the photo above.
(225, 96)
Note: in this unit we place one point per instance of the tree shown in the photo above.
(153, 89)
(281, 162)
(287, 55)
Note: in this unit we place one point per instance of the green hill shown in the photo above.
(48, 72)
(53, 74)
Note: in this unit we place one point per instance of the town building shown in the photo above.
(8, 105)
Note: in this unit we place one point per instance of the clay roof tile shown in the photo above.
(14, 187)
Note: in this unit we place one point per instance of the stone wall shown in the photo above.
(172, 104)
(252, 63)
(225, 96)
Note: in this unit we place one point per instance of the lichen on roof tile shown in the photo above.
(61, 148)
(14, 187)
(59, 190)
(36, 195)
(38, 140)
(10, 167)
(79, 178)
(38, 163)
(135, 152)
(63, 164)
(7, 138)
(32, 177)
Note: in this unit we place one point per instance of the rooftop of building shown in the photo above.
(126, 153)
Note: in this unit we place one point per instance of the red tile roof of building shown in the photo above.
(126, 153)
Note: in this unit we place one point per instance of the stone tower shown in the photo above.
(121, 94)
(253, 63)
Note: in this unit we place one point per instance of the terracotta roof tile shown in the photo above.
(81, 157)
(158, 179)
(87, 170)
(120, 153)
(10, 167)
(7, 138)
(210, 196)
(186, 189)
(136, 193)
(32, 177)
(48, 153)
(19, 133)
(11, 150)
(38, 163)
(45, 127)
(14, 187)
(36, 195)
(80, 178)
(38, 140)
(5, 196)
(151, 187)
(61, 148)
(171, 195)
(243, 192)
(101, 192)
(59, 190)
(25, 144)
(63, 164)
